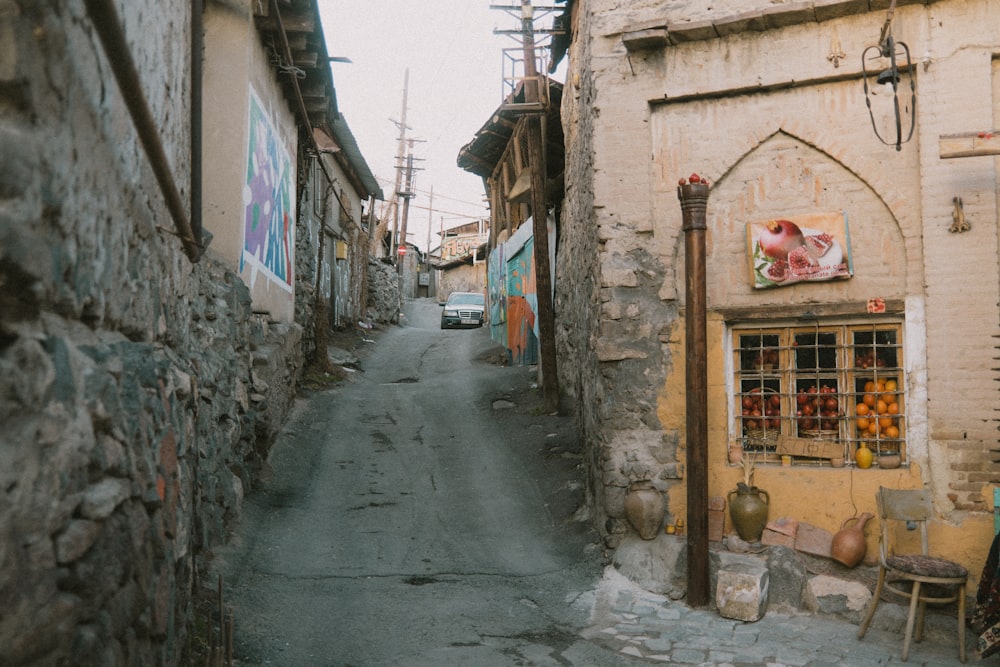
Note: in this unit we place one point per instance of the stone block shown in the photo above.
(741, 591)
(836, 597)
(812, 540)
(788, 577)
(658, 565)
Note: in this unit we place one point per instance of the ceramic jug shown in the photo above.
(748, 510)
(849, 544)
(644, 509)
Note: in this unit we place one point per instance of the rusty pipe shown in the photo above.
(104, 16)
(694, 203)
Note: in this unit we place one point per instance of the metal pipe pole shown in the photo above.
(104, 16)
(694, 202)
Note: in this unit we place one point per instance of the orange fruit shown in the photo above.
(893, 408)
(863, 423)
(891, 385)
(881, 407)
(892, 432)
(884, 423)
(861, 409)
(881, 385)
(873, 427)
(869, 386)
(869, 400)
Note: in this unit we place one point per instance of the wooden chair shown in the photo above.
(919, 577)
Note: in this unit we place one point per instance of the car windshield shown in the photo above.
(466, 299)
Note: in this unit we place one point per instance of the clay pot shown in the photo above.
(644, 509)
(849, 544)
(748, 510)
(889, 461)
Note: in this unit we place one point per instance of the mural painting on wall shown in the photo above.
(522, 306)
(809, 247)
(268, 200)
(496, 285)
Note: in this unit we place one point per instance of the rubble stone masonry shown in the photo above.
(138, 391)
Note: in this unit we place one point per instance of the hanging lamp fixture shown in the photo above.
(897, 53)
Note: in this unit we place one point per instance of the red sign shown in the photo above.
(402, 250)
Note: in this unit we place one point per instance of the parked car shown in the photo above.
(463, 309)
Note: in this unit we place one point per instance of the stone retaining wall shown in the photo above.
(138, 392)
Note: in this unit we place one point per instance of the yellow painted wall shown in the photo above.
(822, 496)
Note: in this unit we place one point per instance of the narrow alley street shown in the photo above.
(421, 513)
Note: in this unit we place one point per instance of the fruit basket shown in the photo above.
(757, 439)
(819, 434)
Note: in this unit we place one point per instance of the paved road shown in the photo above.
(419, 514)
(422, 514)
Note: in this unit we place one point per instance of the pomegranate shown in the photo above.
(800, 261)
(820, 243)
(778, 271)
(780, 237)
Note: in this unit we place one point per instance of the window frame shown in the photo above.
(881, 340)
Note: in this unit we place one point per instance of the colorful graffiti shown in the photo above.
(496, 286)
(522, 306)
(268, 200)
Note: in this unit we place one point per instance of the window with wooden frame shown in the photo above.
(832, 382)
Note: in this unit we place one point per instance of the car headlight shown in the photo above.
(450, 313)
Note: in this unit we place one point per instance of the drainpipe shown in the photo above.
(104, 17)
(197, 68)
(694, 202)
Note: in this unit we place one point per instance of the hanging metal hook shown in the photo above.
(889, 48)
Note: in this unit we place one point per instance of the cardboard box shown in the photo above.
(817, 449)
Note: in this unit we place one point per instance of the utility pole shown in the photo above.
(406, 195)
(427, 255)
(539, 212)
(400, 152)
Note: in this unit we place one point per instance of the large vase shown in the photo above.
(748, 510)
(849, 544)
(644, 509)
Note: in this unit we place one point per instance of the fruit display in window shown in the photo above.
(761, 410)
(766, 358)
(877, 413)
(866, 359)
(817, 409)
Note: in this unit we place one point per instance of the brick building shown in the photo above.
(768, 101)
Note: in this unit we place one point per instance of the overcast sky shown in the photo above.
(456, 71)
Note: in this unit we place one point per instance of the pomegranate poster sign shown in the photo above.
(785, 251)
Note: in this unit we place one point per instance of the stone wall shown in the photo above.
(384, 298)
(138, 392)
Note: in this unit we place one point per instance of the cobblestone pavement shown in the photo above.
(646, 627)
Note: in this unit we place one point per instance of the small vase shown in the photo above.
(644, 509)
(849, 544)
(749, 511)
(863, 457)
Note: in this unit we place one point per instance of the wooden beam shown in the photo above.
(969, 144)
